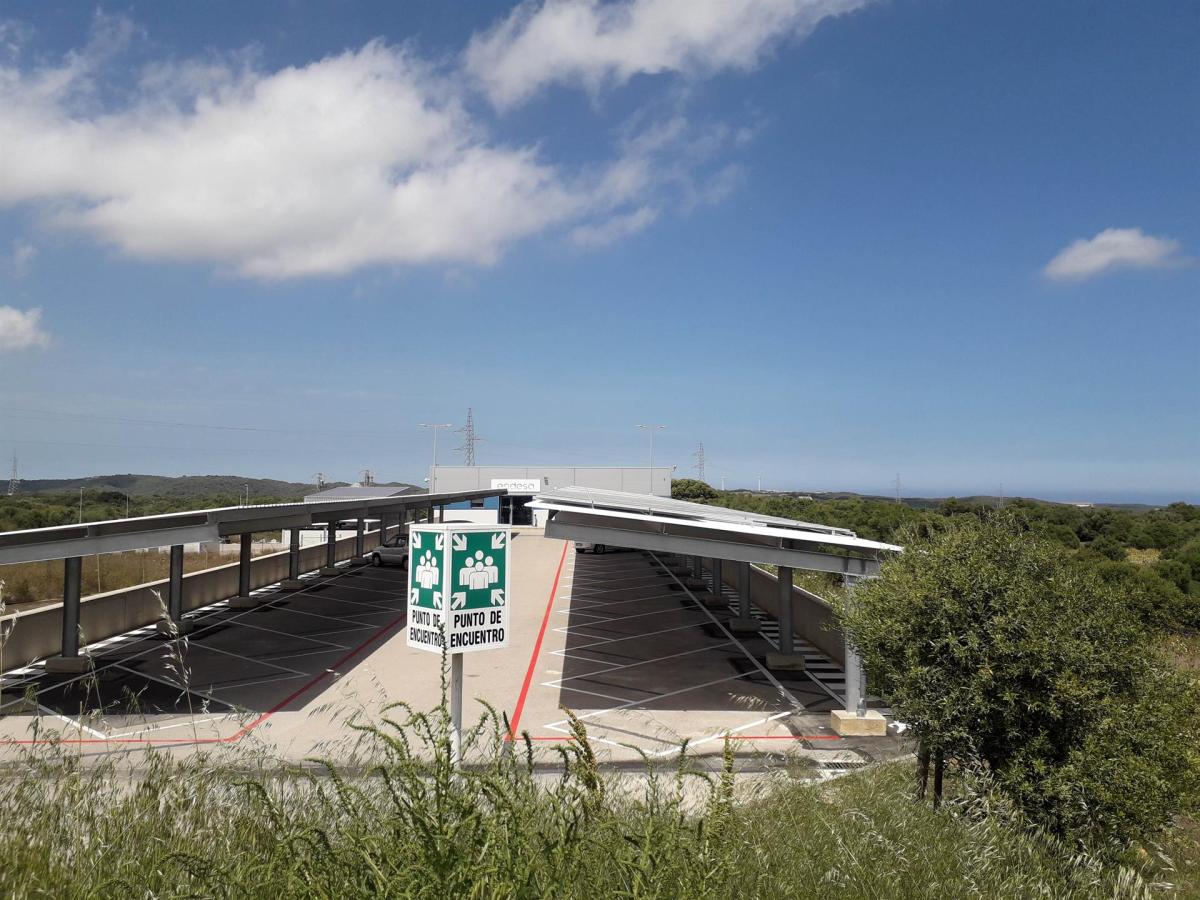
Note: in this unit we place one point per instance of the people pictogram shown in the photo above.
(427, 571)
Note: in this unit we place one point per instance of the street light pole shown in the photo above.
(651, 428)
(434, 426)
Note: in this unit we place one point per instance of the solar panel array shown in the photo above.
(646, 504)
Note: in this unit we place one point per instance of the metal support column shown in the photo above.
(175, 625)
(330, 567)
(294, 555)
(715, 598)
(854, 719)
(442, 513)
(786, 658)
(243, 600)
(429, 513)
(744, 623)
(244, 558)
(70, 661)
(293, 582)
(359, 527)
(72, 588)
(854, 670)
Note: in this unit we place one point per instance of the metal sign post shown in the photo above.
(458, 593)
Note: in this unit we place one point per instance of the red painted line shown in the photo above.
(537, 648)
(244, 730)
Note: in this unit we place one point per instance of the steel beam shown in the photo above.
(698, 546)
(92, 545)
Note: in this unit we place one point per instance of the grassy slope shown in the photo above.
(411, 829)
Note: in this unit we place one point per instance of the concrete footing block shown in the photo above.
(183, 626)
(738, 625)
(712, 601)
(329, 570)
(785, 662)
(358, 560)
(69, 665)
(292, 584)
(694, 584)
(848, 724)
(246, 602)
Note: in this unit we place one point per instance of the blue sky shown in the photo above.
(833, 240)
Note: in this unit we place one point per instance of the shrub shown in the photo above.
(692, 489)
(1003, 653)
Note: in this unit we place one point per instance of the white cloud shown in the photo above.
(370, 157)
(593, 43)
(355, 159)
(606, 232)
(1113, 248)
(23, 253)
(20, 330)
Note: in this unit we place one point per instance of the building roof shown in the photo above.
(648, 522)
(362, 492)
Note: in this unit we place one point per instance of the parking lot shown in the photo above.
(614, 638)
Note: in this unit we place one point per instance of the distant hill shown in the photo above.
(179, 487)
(935, 502)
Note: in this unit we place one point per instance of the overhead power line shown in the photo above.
(470, 439)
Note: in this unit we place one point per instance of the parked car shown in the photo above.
(584, 546)
(392, 553)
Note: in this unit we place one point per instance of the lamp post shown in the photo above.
(651, 428)
(434, 426)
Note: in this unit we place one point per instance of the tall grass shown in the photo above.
(519, 821)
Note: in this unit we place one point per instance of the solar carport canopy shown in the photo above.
(646, 522)
(113, 536)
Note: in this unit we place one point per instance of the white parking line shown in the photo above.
(643, 662)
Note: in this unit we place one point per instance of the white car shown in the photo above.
(584, 546)
(394, 553)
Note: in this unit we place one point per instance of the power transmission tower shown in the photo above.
(368, 477)
(470, 439)
(699, 457)
(319, 478)
(897, 487)
(14, 483)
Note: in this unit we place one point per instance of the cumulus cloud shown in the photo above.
(354, 159)
(1113, 248)
(21, 329)
(372, 156)
(592, 43)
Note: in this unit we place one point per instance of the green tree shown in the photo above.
(692, 489)
(1004, 654)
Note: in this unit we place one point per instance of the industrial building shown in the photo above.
(522, 483)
